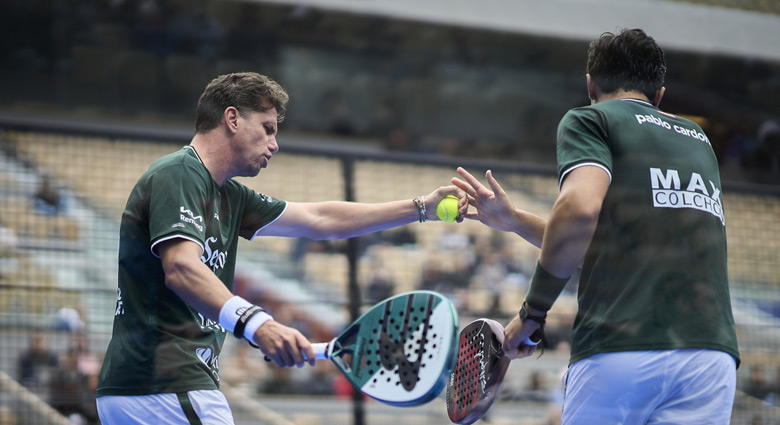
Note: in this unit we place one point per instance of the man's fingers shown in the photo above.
(519, 352)
(463, 186)
(304, 351)
(494, 183)
(470, 179)
(471, 216)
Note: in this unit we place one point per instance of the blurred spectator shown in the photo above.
(37, 363)
(491, 274)
(8, 241)
(321, 380)
(536, 389)
(385, 117)
(400, 139)
(757, 384)
(343, 389)
(280, 382)
(400, 236)
(434, 277)
(765, 157)
(48, 199)
(69, 391)
(149, 31)
(339, 120)
(380, 285)
(248, 33)
(7, 416)
(769, 144)
(193, 32)
(69, 319)
(88, 364)
(774, 389)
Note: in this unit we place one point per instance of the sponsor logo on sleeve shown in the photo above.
(187, 216)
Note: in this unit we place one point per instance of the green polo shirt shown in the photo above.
(655, 274)
(160, 344)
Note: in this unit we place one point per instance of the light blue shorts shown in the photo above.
(669, 387)
(207, 407)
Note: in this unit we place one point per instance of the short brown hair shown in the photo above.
(630, 60)
(246, 91)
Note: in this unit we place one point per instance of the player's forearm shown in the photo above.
(530, 227)
(197, 286)
(339, 220)
(566, 237)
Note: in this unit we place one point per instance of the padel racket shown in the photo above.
(479, 370)
(401, 351)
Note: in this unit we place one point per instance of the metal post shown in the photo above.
(348, 167)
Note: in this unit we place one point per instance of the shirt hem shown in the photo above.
(585, 354)
(112, 391)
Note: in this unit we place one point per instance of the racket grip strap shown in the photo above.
(529, 341)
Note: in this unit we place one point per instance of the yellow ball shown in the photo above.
(447, 209)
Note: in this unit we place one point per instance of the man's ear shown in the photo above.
(658, 96)
(593, 90)
(230, 117)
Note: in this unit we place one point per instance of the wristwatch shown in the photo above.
(524, 315)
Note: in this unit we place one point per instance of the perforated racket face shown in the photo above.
(478, 372)
(403, 348)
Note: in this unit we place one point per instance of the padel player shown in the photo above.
(177, 255)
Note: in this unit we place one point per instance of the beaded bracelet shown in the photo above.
(419, 202)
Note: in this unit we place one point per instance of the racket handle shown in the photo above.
(320, 350)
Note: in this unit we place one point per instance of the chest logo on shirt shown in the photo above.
(668, 193)
(212, 257)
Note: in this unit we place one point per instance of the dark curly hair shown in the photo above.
(630, 60)
(246, 91)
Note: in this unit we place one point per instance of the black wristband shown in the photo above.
(525, 316)
(238, 331)
(544, 289)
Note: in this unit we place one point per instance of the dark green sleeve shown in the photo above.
(259, 211)
(177, 205)
(582, 139)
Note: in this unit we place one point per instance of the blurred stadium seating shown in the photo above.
(91, 95)
(35, 289)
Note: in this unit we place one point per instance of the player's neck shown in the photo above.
(621, 94)
(212, 154)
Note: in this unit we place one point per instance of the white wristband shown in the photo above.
(231, 311)
(254, 324)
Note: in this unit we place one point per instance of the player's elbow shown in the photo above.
(175, 277)
(579, 210)
(178, 273)
(325, 228)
